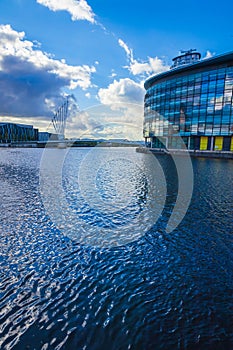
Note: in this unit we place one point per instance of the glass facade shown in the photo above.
(196, 105)
(17, 132)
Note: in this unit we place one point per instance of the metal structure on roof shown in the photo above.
(200, 65)
(187, 51)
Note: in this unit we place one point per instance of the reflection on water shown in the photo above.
(102, 197)
(159, 291)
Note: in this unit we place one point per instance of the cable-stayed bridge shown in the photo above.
(59, 119)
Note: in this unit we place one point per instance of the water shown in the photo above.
(159, 290)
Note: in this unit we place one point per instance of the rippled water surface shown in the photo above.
(149, 289)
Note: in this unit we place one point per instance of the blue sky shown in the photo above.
(99, 52)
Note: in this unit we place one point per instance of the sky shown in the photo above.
(99, 53)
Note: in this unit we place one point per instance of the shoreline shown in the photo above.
(192, 153)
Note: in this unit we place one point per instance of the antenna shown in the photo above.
(188, 51)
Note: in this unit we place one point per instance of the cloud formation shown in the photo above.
(129, 52)
(123, 103)
(118, 116)
(208, 55)
(78, 9)
(104, 122)
(122, 91)
(31, 81)
(152, 66)
(124, 97)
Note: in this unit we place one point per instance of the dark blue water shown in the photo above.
(159, 291)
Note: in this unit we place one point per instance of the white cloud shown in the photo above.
(128, 51)
(78, 9)
(122, 102)
(122, 91)
(29, 77)
(80, 125)
(125, 121)
(113, 74)
(152, 66)
(208, 55)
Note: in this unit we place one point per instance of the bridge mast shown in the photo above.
(59, 119)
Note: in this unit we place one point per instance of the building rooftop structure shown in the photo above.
(17, 124)
(186, 57)
(224, 59)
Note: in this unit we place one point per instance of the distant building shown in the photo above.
(45, 136)
(193, 100)
(10, 132)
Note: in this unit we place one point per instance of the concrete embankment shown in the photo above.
(192, 153)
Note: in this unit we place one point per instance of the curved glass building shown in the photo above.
(193, 100)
